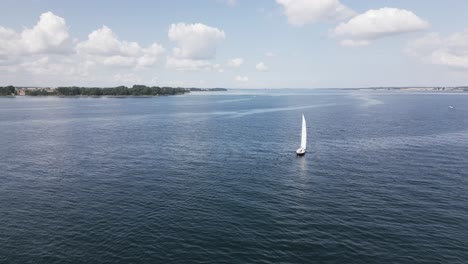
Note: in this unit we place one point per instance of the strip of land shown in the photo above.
(135, 90)
(416, 88)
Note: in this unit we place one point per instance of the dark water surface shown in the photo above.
(213, 178)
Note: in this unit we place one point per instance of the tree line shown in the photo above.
(136, 90)
(7, 90)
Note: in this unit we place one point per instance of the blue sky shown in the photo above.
(234, 43)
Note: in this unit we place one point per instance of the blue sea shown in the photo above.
(212, 177)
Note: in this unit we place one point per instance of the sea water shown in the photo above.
(212, 177)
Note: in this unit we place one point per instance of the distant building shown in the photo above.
(20, 91)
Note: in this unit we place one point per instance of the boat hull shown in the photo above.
(300, 152)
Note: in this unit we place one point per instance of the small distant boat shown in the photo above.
(302, 150)
(451, 107)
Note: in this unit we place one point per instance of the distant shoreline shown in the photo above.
(137, 91)
(141, 91)
(414, 88)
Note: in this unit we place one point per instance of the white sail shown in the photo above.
(304, 133)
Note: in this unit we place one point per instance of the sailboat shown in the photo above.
(302, 150)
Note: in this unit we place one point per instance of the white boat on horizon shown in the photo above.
(302, 150)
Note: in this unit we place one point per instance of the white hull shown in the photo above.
(300, 151)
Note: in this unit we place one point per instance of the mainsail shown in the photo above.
(304, 133)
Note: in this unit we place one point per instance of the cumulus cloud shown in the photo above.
(45, 51)
(241, 78)
(261, 66)
(45, 65)
(190, 65)
(197, 44)
(49, 35)
(126, 79)
(377, 23)
(301, 12)
(50, 65)
(103, 46)
(449, 51)
(105, 42)
(236, 62)
(150, 55)
(195, 41)
(354, 43)
(9, 41)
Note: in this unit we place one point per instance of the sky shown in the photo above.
(234, 43)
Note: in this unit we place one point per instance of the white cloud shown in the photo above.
(377, 23)
(104, 42)
(270, 54)
(236, 62)
(197, 44)
(126, 79)
(150, 55)
(154, 80)
(354, 43)
(52, 65)
(103, 46)
(261, 66)
(241, 78)
(174, 83)
(449, 51)
(45, 54)
(301, 12)
(44, 65)
(190, 65)
(195, 41)
(50, 35)
(9, 41)
(117, 61)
